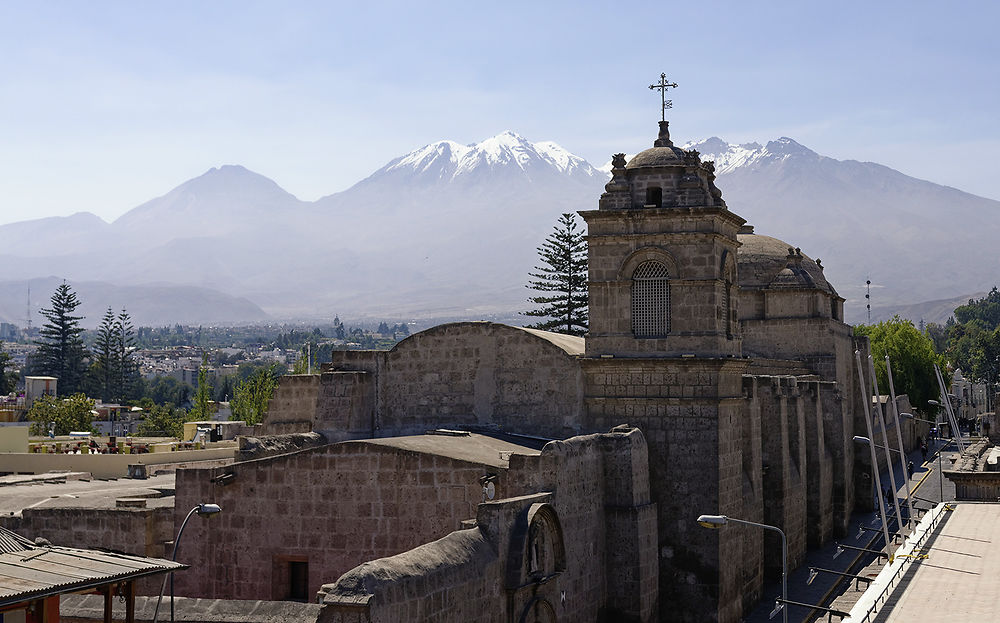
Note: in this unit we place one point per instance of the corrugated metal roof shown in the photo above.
(12, 542)
(29, 572)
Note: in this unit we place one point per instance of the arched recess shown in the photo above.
(538, 610)
(536, 549)
(727, 273)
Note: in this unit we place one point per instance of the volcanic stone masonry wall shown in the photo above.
(689, 410)
(601, 533)
(477, 374)
(332, 507)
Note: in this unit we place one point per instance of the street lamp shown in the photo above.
(203, 510)
(714, 522)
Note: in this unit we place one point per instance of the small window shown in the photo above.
(650, 300)
(654, 197)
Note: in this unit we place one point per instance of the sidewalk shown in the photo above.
(827, 587)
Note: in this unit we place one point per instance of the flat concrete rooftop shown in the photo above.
(958, 580)
(19, 493)
(460, 445)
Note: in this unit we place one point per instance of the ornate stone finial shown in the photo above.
(798, 252)
(663, 140)
(819, 263)
(618, 161)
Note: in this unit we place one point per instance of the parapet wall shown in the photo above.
(329, 508)
(577, 537)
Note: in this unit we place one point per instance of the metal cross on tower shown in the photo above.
(663, 86)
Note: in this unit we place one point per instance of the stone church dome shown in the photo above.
(766, 262)
(663, 152)
(657, 157)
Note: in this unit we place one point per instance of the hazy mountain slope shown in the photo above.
(223, 202)
(928, 311)
(54, 235)
(149, 305)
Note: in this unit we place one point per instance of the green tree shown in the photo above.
(68, 414)
(252, 395)
(103, 367)
(163, 421)
(60, 350)
(8, 378)
(561, 280)
(127, 368)
(202, 393)
(166, 389)
(114, 370)
(984, 312)
(912, 356)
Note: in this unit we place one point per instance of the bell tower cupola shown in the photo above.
(662, 257)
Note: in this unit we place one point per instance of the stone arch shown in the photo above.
(538, 610)
(646, 254)
(537, 550)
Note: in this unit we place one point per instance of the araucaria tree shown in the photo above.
(60, 350)
(561, 280)
(114, 369)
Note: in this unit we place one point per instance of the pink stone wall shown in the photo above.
(332, 507)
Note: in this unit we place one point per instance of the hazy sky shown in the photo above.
(105, 105)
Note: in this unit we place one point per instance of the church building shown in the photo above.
(480, 471)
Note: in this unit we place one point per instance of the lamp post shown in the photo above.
(866, 399)
(714, 522)
(203, 510)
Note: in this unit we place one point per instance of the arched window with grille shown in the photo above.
(650, 300)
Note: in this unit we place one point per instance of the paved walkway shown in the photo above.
(826, 587)
(958, 579)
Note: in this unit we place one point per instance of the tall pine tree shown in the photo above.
(128, 368)
(114, 370)
(60, 350)
(104, 366)
(561, 280)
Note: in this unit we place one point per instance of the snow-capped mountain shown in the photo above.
(507, 154)
(914, 239)
(729, 156)
(452, 230)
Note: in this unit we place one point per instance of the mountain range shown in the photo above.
(451, 231)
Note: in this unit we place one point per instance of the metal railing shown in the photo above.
(902, 561)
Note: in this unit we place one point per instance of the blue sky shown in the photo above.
(108, 104)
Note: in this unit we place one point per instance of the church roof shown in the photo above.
(661, 154)
(572, 344)
(766, 262)
(460, 445)
(657, 157)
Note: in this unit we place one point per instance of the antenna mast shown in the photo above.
(868, 299)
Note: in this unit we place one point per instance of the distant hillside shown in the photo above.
(929, 311)
(150, 305)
